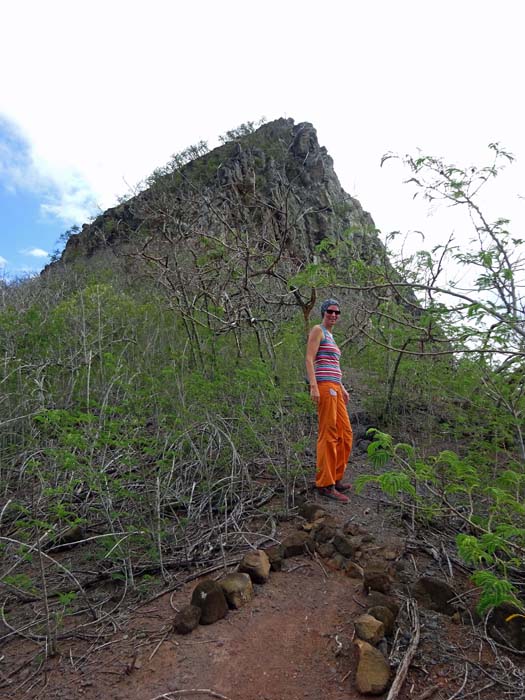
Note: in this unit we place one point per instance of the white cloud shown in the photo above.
(63, 192)
(36, 253)
(3, 261)
(372, 77)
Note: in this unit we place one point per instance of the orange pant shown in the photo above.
(334, 441)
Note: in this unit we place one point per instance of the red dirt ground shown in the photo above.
(293, 641)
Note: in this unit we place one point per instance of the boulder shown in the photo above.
(237, 588)
(325, 549)
(311, 512)
(257, 565)
(275, 555)
(385, 615)
(337, 562)
(362, 446)
(373, 672)
(187, 619)
(347, 546)
(392, 548)
(325, 532)
(295, 544)
(377, 578)
(510, 632)
(352, 528)
(369, 629)
(354, 571)
(434, 594)
(209, 597)
(377, 598)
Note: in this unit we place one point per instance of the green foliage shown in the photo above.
(449, 485)
(243, 130)
(494, 591)
(392, 483)
(149, 410)
(124, 431)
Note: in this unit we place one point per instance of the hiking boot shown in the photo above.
(339, 486)
(330, 492)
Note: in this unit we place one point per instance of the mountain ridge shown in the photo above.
(276, 179)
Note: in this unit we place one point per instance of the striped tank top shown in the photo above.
(326, 363)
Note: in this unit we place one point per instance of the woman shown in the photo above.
(334, 440)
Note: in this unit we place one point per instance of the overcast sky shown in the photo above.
(95, 95)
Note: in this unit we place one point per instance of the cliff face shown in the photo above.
(275, 186)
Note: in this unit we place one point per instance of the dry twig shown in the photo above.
(428, 693)
(407, 660)
(459, 692)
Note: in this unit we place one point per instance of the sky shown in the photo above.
(95, 95)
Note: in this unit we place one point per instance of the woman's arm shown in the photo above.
(314, 340)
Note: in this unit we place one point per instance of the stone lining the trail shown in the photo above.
(384, 615)
(369, 629)
(373, 671)
(187, 619)
(209, 597)
(257, 565)
(237, 588)
(369, 564)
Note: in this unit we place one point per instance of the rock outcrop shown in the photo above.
(276, 184)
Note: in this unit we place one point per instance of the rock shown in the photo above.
(369, 629)
(187, 619)
(352, 528)
(257, 565)
(404, 573)
(347, 546)
(337, 562)
(209, 597)
(377, 598)
(511, 633)
(325, 549)
(275, 555)
(311, 512)
(377, 578)
(324, 532)
(391, 548)
(237, 588)
(385, 615)
(362, 446)
(279, 156)
(354, 571)
(435, 594)
(294, 544)
(328, 520)
(373, 672)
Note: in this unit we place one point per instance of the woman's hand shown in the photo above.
(314, 394)
(346, 395)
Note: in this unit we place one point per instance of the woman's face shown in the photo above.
(331, 316)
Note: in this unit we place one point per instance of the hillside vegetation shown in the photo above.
(153, 399)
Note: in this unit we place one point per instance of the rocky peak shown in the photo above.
(275, 182)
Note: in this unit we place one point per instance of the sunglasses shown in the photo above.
(332, 311)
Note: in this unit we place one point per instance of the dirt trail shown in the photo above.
(293, 640)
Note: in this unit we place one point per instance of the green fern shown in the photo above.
(471, 550)
(494, 591)
(381, 449)
(392, 483)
